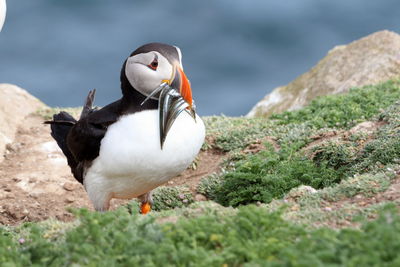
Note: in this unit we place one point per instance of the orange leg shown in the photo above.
(146, 202)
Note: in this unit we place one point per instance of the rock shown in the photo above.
(69, 186)
(15, 105)
(69, 199)
(370, 60)
(300, 191)
(16, 212)
(13, 147)
(367, 127)
(200, 197)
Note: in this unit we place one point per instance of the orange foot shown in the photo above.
(145, 208)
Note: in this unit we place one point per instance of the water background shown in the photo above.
(234, 51)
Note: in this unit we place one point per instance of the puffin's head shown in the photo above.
(153, 64)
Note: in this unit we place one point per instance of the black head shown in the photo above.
(151, 65)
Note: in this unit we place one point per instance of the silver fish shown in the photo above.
(156, 91)
(170, 105)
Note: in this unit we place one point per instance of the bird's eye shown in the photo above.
(154, 65)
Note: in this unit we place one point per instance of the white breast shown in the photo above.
(2, 12)
(131, 161)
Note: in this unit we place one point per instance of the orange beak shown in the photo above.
(182, 83)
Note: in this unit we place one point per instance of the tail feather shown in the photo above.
(88, 106)
(60, 127)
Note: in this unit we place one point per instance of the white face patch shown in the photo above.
(143, 78)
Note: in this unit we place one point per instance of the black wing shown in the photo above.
(80, 140)
(85, 136)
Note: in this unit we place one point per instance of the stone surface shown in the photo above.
(200, 197)
(367, 61)
(300, 191)
(15, 105)
(70, 186)
(366, 127)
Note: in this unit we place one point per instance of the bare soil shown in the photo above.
(36, 182)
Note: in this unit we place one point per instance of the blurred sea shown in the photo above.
(234, 52)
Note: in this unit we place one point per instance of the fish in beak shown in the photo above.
(175, 96)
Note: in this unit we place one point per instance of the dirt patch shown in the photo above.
(259, 145)
(322, 138)
(206, 163)
(36, 182)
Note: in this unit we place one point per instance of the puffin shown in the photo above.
(3, 9)
(139, 142)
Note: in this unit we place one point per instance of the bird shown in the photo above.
(139, 142)
(3, 9)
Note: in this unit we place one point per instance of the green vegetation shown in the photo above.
(290, 226)
(270, 174)
(253, 236)
(235, 133)
(171, 197)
